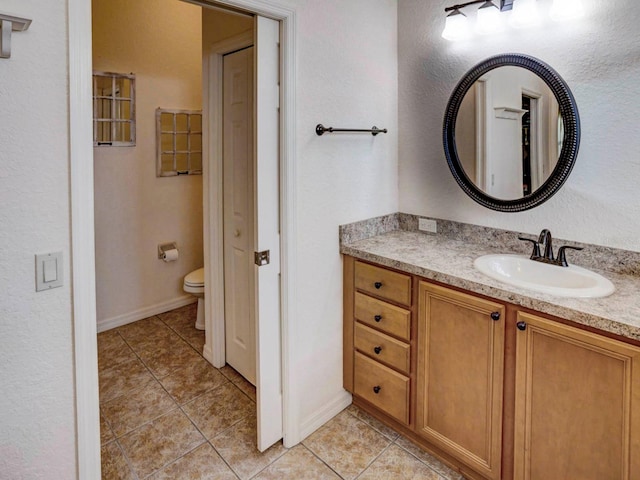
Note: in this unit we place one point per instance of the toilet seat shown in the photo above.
(195, 279)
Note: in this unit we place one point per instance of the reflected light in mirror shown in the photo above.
(489, 20)
(563, 10)
(524, 14)
(456, 26)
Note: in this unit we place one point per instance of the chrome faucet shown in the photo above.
(547, 257)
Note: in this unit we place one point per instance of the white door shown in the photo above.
(267, 233)
(238, 195)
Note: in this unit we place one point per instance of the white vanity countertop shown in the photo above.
(450, 261)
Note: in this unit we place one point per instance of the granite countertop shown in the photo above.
(450, 261)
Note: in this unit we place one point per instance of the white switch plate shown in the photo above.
(48, 271)
(427, 225)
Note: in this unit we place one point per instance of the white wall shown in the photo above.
(37, 430)
(347, 77)
(160, 42)
(598, 58)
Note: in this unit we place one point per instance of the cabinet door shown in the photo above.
(577, 404)
(460, 376)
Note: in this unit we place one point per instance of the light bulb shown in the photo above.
(562, 10)
(524, 14)
(456, 26)
(489, 20)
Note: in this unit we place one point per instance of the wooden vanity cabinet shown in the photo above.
(460, 376)
(379, 339)
(492, 390)
(577, 403)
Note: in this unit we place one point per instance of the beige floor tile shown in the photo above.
(161, 442)
(237, 446)
(372, 422)
(145, 333)
(113, 350)
(429, 459)
(128, 412)
(182, 321)
(398, 463)
(238, 380)
(167, 355)
(106, 434)
(114, 464)
(347, 445)
(123, 378)
(192, 381)
(203, 463)
(219, 409)
(299, 464)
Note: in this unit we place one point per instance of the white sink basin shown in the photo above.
(520, 271)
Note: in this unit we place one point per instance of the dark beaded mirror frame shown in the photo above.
(571, 142)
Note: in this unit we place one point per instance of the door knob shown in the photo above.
(377, 318)
(521, 325)
(495, 316)
(236, 233)
(377, 350)
(378, 285)
(377, 389)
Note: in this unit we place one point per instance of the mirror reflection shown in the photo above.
(509, 133)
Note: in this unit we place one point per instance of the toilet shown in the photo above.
(194, 284)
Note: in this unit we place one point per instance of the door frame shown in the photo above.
(83, 273)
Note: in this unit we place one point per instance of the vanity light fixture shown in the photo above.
(9, 23)
(524, 13)
(489, 20)
(456, 26)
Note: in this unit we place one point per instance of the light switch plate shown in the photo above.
(48, 271)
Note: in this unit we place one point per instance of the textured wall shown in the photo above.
(135, 210)
(598, 56)
(37, 431)
(347, 77)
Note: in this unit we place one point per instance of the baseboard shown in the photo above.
(326, 413)
(118, 321)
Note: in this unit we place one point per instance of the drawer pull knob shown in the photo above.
(495, 316)
(377, 389)
(377, 350)
(377, 318)
(521, 325)
(378, 285)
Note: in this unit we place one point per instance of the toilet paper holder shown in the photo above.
(163, 247)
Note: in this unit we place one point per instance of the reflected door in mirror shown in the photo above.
(507, 133)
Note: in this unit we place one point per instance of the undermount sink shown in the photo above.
(520, 271)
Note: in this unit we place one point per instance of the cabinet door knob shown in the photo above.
(377, 318)
(521, 325)
(377, 350)
(378, 285)
(495, 316)
(377, 389)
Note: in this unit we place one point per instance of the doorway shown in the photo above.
(83, 252)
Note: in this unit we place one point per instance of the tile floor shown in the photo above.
(166, 413)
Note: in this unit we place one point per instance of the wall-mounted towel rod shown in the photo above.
(320, 129)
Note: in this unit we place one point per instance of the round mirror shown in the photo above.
(511, 132)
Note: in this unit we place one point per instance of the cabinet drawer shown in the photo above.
(383, 348)
(392, 388)
(383, 316)
(383, 283)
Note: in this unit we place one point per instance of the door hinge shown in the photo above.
(261, 258)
